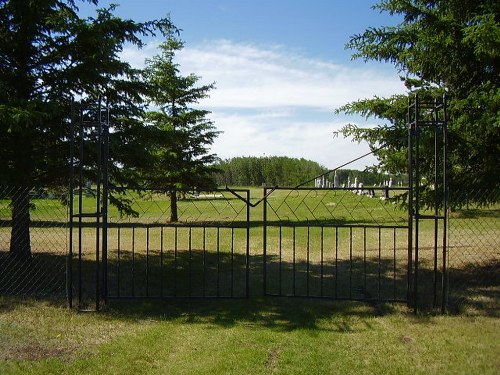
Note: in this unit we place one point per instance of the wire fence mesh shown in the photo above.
(33, 242)
(474, 253)
(167, 244)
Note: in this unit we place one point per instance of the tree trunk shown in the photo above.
(173, 206)
(20, 245)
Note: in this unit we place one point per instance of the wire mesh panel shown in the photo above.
(336, 243)
(203, 253)
(474, 252)
(33, 242)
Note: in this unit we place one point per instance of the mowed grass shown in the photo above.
(258, 335)
(254, 336)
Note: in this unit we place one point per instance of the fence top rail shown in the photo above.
(365, 187)
(331, 225)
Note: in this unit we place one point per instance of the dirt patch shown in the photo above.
(272, 358)
(35, 352)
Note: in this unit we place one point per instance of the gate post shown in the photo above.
(422, 116)
(93, 126)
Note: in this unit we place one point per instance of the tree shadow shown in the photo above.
(218, 295)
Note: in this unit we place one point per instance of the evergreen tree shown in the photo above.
(48, 54)
(181, 157)
(441, 46)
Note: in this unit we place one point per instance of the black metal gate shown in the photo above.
(341, 241)
(349, 241)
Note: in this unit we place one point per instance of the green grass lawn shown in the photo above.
(254, 336)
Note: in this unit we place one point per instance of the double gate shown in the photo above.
(346, 241)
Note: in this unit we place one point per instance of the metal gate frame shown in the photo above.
(423, 116)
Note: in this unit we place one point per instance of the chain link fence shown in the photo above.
(474, 253)
(33, 242)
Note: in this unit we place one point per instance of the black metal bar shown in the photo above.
(190, 255)
(379, 263)
(444, 274)
(118, 260)
(280, 259)
(98, 206)
(232, 262)
(264, 242)
(247, 248)
(218, 261)
(69, 260)
(364, 260)
(411, 162)
(293, 259)
(336, 261)
(394, 264)
(133, 260)
(80, 209)
(175, 261)
(308, 259)
(147, 261)
(416, 203)
(321, 259)
(161, 263)
(436, 205)
(105, 193)
(204, 259)
(351, 263)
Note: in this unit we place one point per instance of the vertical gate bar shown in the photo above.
(321, 260)
(218, 261)
(394, 265)
(162, 294)
(411, 130)
(133, 261)
(105, 186)
(379, 262)
(204, 259)
(264, 242)
(118, 260)
(308, 259)
(232, 261)
(293, 259)
(364, 260)
(190, 256)
(98, 206)
(147, 261)
(175, 261)
(69, 261)
(351, 262)
(417, 202)
(335, 279)
(444, 275)
(436, 202)
(80, 209)
(247, 247)
(280, 259)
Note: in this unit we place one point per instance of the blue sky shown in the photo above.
(280, 69)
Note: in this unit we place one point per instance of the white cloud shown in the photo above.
(274, 101)
(250, 76)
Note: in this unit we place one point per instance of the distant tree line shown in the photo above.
(286, 171)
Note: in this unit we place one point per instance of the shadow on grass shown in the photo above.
(168, 286)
